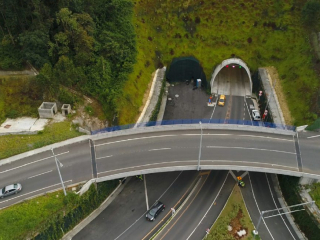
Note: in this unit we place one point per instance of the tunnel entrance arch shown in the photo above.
(186, 68)
(231, 63)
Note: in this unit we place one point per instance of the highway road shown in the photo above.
(180, 149)
(259, 195)
(125, 218)
(202, 209)
(159, 151)
(38, 173)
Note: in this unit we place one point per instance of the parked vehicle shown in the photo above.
(256, 115)
(155, 210)
(10, 189)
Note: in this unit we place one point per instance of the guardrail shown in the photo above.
(196, 121)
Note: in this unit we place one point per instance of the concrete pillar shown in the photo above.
(306, 181)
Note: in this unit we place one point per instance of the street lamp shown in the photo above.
(286, 210)
(61, 165)
(198, 168)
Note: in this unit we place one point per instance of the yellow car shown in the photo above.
(222, 100)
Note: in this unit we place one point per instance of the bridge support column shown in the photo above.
(306, 180)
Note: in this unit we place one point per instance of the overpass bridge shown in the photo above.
(164, 148)
(224, 147)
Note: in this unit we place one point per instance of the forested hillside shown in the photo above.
(88, 45)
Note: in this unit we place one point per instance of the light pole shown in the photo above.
(289, 209)
(145, 191)
(198, 168)
(61, 165)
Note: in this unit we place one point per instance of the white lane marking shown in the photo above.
(278, 165)
(34, 191)
(33, 162)
(209, 208)
(248, 110)
(277, 208)
(214, 108)
(95, 157)
(258, 149)
(258, 207)
(152, 205)
(254, 136)
(192, 161)
(207, 134)
(314, 136)
(299, 151)
(133, 139)
(158, 149)
(39, 174)
(104, 157)
(227, 134)
(145, 165)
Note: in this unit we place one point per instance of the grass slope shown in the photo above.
(261, 32)
(56, 132)
(234, 214)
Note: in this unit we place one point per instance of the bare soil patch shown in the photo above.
(145, 96)
(275, 80)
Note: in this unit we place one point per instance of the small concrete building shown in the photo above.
(47, 110)
(66, 109)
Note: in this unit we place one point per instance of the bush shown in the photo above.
(306, 221)
(83, 206)
(314, 126)
(67, 97)
(311, 13)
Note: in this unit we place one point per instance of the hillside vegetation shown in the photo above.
(109, 49)
(261, 32)
(87, 45)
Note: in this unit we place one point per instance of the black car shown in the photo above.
(155, 210)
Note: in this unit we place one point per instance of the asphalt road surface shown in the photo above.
(259, 195)
(125, 218)
(202, 209)
(157, 152)
(261, 151)
(38, 173)
(232, 81)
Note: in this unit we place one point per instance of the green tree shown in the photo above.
(47, 82)
(35, 47)
(311, 13)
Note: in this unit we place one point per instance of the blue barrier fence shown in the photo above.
(195, 121)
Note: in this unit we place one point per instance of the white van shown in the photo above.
(256, 115)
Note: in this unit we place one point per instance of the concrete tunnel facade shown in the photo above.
(230, 61)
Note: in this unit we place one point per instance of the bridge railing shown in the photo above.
(196, 121)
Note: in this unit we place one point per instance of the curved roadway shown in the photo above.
(161, 151)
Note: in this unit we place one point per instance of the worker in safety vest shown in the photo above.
(241, 183)
(139, 177)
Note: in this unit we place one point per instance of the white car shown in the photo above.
(10, 189)
(256, 115)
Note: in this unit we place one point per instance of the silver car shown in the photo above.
(10, 189)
